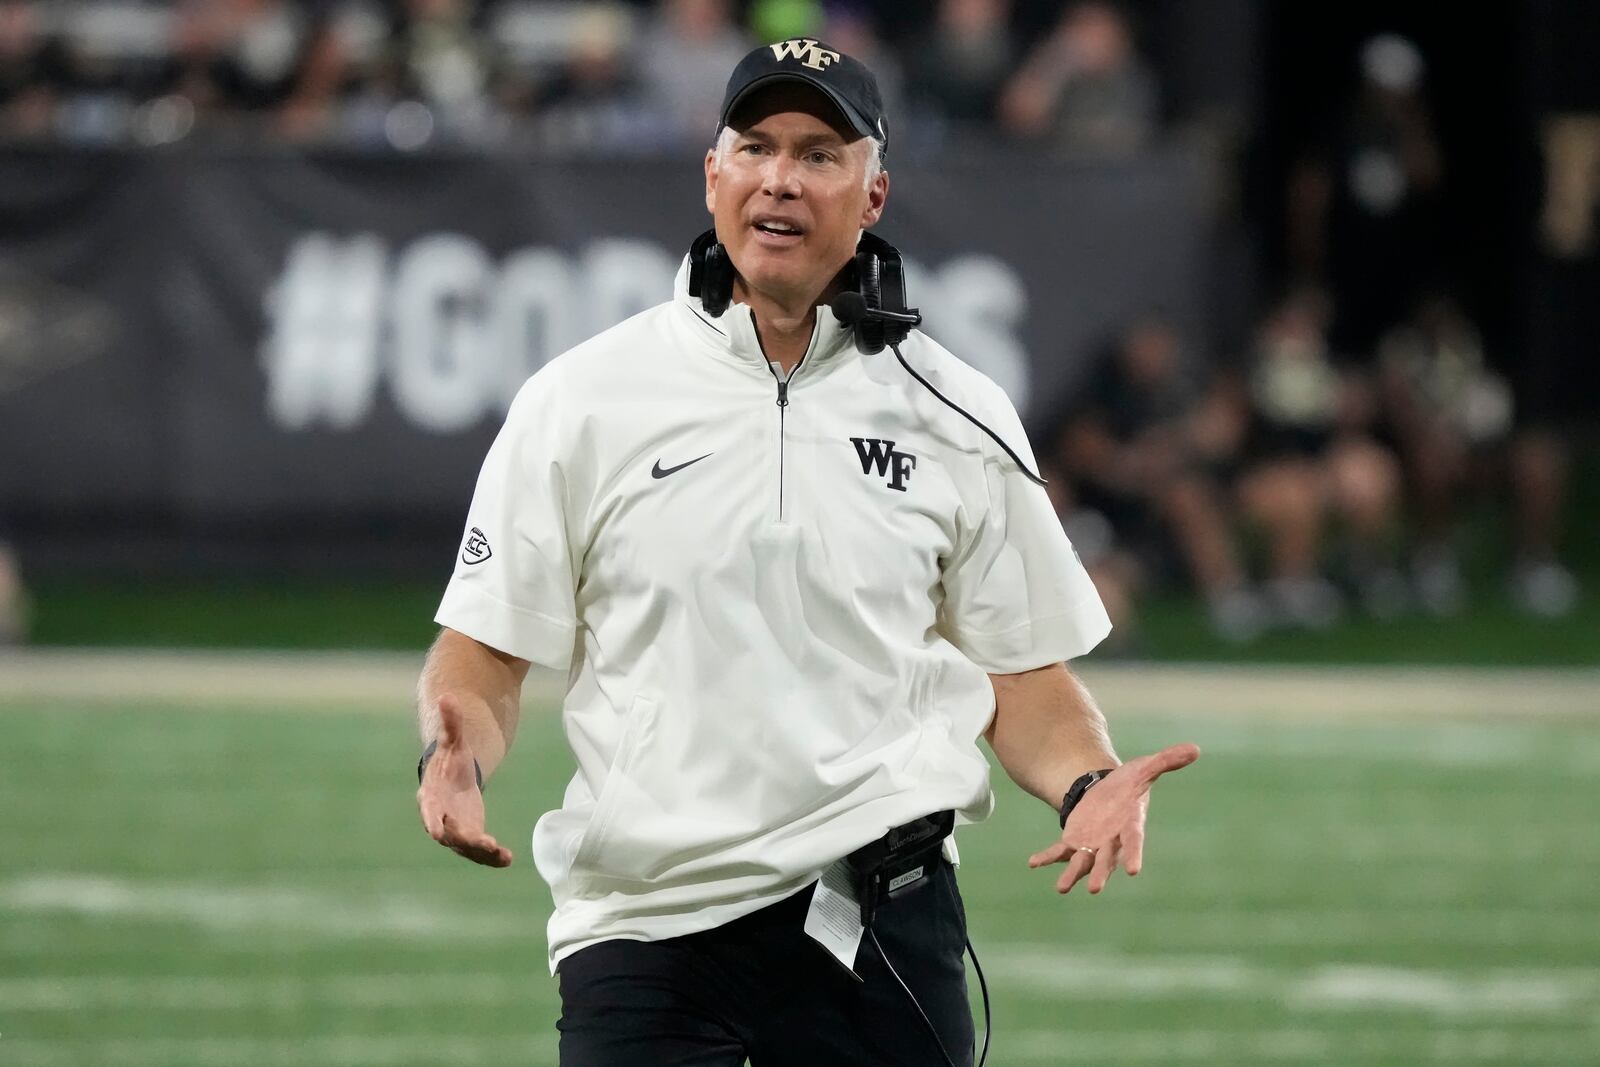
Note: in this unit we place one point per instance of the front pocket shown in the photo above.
(611, 801)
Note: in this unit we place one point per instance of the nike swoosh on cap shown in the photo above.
(659, 471)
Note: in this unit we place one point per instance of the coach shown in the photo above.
(793, 579)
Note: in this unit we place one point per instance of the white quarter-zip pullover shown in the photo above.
(777, 603)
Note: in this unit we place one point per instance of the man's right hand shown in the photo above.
(449, 800)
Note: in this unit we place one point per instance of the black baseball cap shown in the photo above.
(845, 81)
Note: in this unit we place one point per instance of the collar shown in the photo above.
(735, 330)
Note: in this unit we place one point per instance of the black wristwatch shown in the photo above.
(433, 746)
(1079, 787)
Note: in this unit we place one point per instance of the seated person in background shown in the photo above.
(1116, 572)
(1310, 461)
(1145, 447)
(33, 71)
(956, 68)
(13, 599)
(1452, 417)
(1084, 89)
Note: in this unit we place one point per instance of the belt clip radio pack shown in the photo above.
(898, 860)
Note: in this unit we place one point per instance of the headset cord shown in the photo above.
(967, 415)
(988, 1021)
(937, 1040)
(988, 1024)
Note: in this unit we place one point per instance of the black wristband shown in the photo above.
(1079, 787)
(427, 754)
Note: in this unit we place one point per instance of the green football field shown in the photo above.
(225, 867)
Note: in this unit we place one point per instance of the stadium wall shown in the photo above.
(203, 338)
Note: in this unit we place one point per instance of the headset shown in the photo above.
(874, 292)
(872, 303)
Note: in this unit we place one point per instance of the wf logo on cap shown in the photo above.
(806, 51)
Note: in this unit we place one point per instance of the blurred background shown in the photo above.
(1298, 301)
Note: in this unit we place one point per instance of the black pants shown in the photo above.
(759, 988)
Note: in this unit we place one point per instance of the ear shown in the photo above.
(877, 196)
(711, 180)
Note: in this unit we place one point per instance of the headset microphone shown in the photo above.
(851, 307)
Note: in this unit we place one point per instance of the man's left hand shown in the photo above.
(1106, 829)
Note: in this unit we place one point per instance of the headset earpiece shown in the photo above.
(892, 296)
(867, 276)
(710, 274)
(878, 274)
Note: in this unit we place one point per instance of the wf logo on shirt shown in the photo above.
(880, 455)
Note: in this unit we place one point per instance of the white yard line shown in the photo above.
(1066, 1045)
(1342, 1046)
(1309, 928)
(386, 680)
(284, 912)
(1344, 693)
(1080, 977)
(1073, 976)
(270, 679)
(194, 993)
(332, 1051)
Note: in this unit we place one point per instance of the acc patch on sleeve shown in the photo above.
(476, 549)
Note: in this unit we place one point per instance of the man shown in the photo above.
(792, 588)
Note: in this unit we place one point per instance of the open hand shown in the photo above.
(1106, 829)
(449, 799)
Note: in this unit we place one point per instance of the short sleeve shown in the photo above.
(1016, 596)
(514, 581)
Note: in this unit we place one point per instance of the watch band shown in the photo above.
(427, 754)
(1080, 786)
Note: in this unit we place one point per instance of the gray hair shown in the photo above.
(874, 163)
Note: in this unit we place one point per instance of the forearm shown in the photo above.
(486, 683)
(1047, 731)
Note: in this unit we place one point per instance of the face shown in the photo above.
(790, 197)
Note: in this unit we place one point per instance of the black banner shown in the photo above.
(232, 337)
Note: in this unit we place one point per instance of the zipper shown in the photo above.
(783, 402)
(783, 411)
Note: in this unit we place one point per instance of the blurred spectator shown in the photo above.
(848, 26)
(595, 98)
(31, 72)
(1147, 448)
(444, 64)
(13, 599)
(1084, 89)
(1364, 206)
(351, 85)
(957, 68)
(239, 55)
(1310, 461)
(114, 57)
(685, 63)
(234, 60)
(1116, 572)
(1453, 419)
